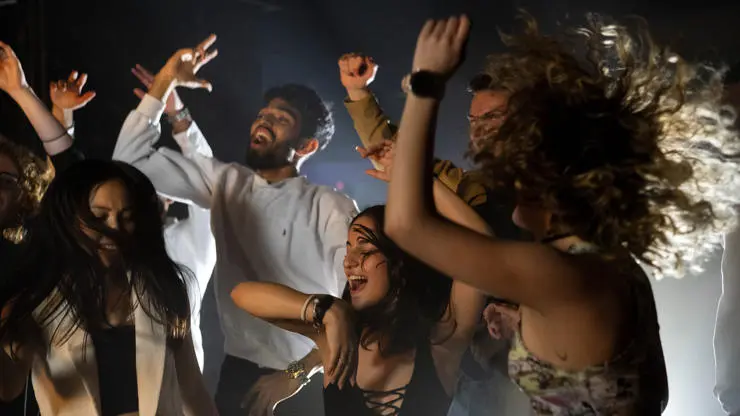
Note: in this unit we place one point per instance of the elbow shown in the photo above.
(401, 232)
(238, 294)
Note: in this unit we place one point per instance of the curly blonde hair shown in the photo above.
(34, 177)
(629, 146)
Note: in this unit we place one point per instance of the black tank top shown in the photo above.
(115, 351)
(423, 396)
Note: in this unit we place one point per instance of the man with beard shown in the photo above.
(270, 224)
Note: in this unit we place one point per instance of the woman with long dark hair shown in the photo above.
(97, 310)
(393, 343)
(616, 157)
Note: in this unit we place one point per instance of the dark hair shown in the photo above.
(624, 147)
(33, 179)
(63, 260)
(316, 118)
(417, 299)
(482, 82)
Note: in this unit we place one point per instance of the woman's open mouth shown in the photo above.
(356, 284)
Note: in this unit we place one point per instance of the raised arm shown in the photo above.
(13, 81)
(726, 331)
(372, 125)
(66, 98)
(187, 180)
(466, 302)
(503, 269)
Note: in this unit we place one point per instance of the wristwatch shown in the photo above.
(425, 84)
(297, 371)
(181, 115)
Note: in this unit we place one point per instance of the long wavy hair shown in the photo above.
(628, 145)
(64, 275)
(34, 177)
(417, 300)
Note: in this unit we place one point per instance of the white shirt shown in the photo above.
(292, 232)
(727, 329)
(190, 243)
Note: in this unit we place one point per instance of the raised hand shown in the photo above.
(441, 45)
(382, 157)
(341, 340)
(12, 77)
(173, 104)
(67, 94)
(357, 71)
(182, 67)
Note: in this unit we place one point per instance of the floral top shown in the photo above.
(633, 383)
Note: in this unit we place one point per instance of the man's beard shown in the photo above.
(275, 157)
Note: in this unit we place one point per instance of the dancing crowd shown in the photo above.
(518, 287)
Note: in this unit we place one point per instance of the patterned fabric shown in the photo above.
(610, 389)
(633, 383)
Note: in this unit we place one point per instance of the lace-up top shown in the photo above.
(424, 395)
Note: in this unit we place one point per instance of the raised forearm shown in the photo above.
(409, 185)
(50, 131)
(64, 117)
(357, 94)
(452, 207)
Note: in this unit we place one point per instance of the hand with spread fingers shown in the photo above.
(183, 66)
(441, 45)
(340, 366)
(382, 155)
(173, 104)
(268, 392)
(12, 78)
(67, 94)
(357, 72)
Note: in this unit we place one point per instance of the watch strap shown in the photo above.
(183, 114)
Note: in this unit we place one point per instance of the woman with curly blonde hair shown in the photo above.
(617, 152)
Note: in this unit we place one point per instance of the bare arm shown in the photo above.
(466, 302)
(197, 401)
(283, 306)
(275, 303)
(503, 269)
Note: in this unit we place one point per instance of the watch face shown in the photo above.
(426, 84)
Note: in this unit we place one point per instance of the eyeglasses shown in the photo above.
(487, 117)
(8, 181)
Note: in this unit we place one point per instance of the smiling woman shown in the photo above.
(103, 283)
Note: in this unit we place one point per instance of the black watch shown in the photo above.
(425, 84)
(320, 308)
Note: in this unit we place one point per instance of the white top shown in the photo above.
(190, 243)
(292, 232)
(727, 330)
(65, 378)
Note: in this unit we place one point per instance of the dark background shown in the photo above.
(267, 42)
